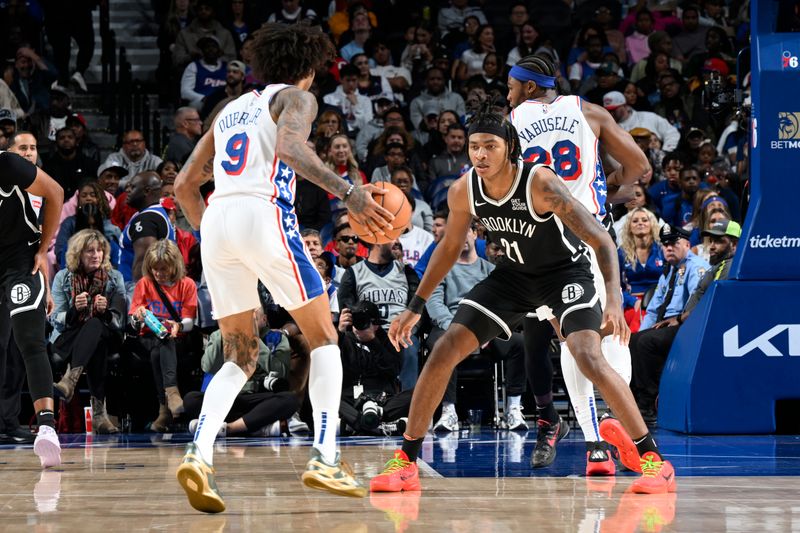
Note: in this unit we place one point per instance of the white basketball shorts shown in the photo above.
(246, 239)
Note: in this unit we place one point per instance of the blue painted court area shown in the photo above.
(495, 454)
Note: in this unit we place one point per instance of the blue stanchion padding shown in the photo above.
(735, 356)
(770, 245)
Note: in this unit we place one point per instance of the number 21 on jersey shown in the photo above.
(236, 150)
(565, 160)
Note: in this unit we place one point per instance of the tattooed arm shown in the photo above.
(199, 168)
(551, 195)
(294, 110)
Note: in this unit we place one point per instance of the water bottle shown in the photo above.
(155, 324)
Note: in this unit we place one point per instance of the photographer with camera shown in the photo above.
(265, 405)
(370, 402)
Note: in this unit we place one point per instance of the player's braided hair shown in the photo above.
(538, 63)
(487, 119)
(285, 53)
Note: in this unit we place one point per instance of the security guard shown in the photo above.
(679, 281)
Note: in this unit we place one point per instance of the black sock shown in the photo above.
(646, 444)
(45, 417)
(548, 413)
(411, 447)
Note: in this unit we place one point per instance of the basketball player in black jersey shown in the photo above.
(23, 283)
(543, 228)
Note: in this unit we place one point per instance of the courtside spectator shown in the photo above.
(134, 155)
(186, 47)
(188, 128)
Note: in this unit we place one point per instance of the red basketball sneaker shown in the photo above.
(398, 474)
(613, 433)
(598, 460)
(658, 476)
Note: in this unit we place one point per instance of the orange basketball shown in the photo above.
(396, 203)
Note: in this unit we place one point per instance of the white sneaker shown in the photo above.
(448, 421)
(223, 430)
(297, 427)
(515, 420)
(79, 81)
(47, 447)
(395, 428)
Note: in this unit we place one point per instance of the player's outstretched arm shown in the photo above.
(619, 144)
(296, 110)
(442, 260)
(551, 195)
(199, 168)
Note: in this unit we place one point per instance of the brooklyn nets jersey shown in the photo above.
(389, 292)
(533, 244)
(245, 162)
(18, 218)
(559, 136)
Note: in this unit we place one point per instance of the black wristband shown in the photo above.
(416, 305)
(348, 193)
(680, 319)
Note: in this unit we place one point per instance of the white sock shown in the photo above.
(514, 401)
(217, 402)
(618, 356)
(325, 391)
(581, 392)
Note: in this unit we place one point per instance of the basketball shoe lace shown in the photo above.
(650, 467)
(395, 464)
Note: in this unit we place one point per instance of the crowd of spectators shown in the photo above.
(392, 107)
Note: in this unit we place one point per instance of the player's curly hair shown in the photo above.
(285, 53)
(487, 116)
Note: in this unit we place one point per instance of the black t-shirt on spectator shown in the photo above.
(17, 217)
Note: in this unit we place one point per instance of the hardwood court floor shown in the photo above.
(128, 484)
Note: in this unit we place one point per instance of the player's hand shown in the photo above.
(50, 304)
(614, 321)
(367, 212)
(40, 264)
(82, 301)
(400, 330)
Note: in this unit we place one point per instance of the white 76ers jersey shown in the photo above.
(245, 161)
(559, 136)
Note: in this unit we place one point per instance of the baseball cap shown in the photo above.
(168, 203)
(237, 65)
(722, 228)
(207, 38)
(716, 64)
(115, 167)
(430, 108)
(6, 115)
(671, 234)
(383, 97)
(613, 100)
(695, 132)
(640, 132)
(607, 69)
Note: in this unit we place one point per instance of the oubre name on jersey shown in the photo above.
(238, 117)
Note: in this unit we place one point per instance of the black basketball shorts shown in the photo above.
(496, 305)
(21, 291)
